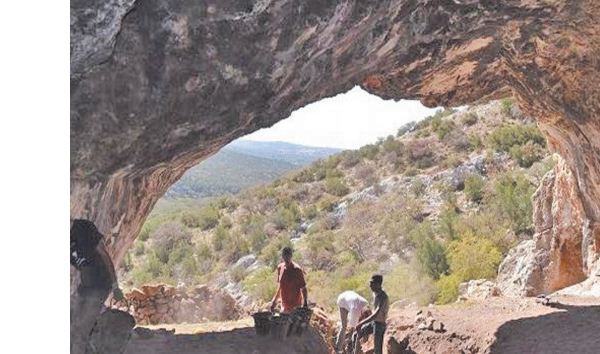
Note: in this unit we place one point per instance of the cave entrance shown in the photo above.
(391, 193)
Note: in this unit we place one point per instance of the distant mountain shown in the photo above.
(298, 155)
(244, 164)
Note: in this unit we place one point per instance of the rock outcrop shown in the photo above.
(158, 86)
(163, 304)
(563, 252)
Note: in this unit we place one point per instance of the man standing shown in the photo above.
(375, 323)
(291, 287)
(351, 306)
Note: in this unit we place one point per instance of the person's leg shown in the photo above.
(358, 335)
(339, 343)
(378, 333)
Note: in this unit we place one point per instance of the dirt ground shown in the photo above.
(237, 337)
(501, 325)
(494, 326)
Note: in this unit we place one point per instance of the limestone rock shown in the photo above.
(479, 289)
(111, 333)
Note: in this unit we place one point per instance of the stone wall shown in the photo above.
(154, 304)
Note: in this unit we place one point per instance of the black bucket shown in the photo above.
(280, 326)
(262, 323)
(301, 320)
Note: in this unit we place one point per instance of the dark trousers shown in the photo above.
(375, 328)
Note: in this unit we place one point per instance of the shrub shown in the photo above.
(237, 273)
(469, 118)
(473, 257)
(419, 151)
(190, 219)
(319, 250)
(167, 237)
(475, 142)
(208, 217)
(369, 151)
(139, 249)
(507, 136)
(418, 187)
(336, 186)
(408, 127)
(285, 217)
(506, 107)
(366, 174)
(526, 155)
(447, 287)
(228, 203)
(350, 158)
(326, 203)
(304, 176)
(474, 185)
(392, 145)
(512, 199)
(432, 258)
(220, 238)
(270, 254)
(442, 127)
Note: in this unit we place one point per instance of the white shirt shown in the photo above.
(354, 304)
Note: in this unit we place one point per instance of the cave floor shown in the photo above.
(235, 337)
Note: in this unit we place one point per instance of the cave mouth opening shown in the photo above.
(235, 238)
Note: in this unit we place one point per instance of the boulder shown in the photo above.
(111, 333)
(479, 289)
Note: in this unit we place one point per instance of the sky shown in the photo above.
(349, 121)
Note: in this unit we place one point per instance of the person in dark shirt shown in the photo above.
(291, 286)
(375, 323)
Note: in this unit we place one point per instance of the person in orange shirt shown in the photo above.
(291, 287)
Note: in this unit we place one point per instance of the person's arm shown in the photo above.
(369, 318)
(275, 297)
(277, 293)
(305, 296)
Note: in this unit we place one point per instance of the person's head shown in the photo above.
(376, 282)
(286, 254)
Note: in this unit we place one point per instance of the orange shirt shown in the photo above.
(291, 281)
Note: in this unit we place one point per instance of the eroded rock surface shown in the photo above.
(559, 255)
(158, 86)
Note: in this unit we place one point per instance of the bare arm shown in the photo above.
(370, 318)
(305, 296)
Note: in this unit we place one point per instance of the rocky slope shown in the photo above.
(401, 206)
(152, 83)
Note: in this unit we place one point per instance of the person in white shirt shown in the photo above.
(352, 306)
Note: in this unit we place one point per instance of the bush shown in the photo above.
(512, 199)
(369, 151)
(237, 273)
(319, 250)
(408, 127)
(418, 187)
(139, 249)
(475, 142)
(442, 127)
(506, 107)
(420, 153)
(366, 174)
(526, 155)
(432, 258)
(392, 145)
(190, 219)
(447, 287)
(473, 257)
(167, 237)
(286, 217)
(208, 217)
(474, 185)
(469, 119)
(270, 254)
(350, 158)
(507, 136)
(220, 238)
(336, 186)
(326, 203)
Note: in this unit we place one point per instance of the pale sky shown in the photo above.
(348, 121)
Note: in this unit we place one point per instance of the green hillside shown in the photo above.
(439, 203)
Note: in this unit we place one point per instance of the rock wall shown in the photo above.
(563, 251)
(162, 304)
(158, 86)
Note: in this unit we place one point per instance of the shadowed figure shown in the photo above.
(575, 330)
(95, 271)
